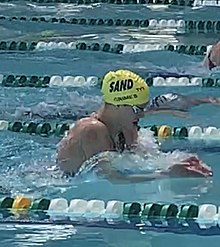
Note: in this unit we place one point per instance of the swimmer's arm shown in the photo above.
(208, 101)
(167, 111)
(136, 178)
(114, 176)
(143, 178)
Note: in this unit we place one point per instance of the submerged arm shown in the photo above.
(142, 178)
(168, 111)
(112, 174)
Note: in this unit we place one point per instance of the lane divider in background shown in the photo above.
(187, 218)
(45, 81)
(161, 131)
(86, 2)
(13, 80)
(103, 47)
(182, 81)
(184, 49)
(180, 25)
(213, 3)
(190, 3)
(42, 129)
(191, 132)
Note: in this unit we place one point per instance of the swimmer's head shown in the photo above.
(125, 95)
(123, 87)
(212, 58)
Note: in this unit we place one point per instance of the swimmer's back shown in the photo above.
(88, 137)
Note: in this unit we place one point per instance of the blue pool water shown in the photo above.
(25, 159)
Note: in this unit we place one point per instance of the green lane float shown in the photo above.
(208, 82)
(151, 212)
(168, 213)
(131, 211)
(39, 205)
(61, 129)
(6, 202)
(15, 126)
(117, 48)
(17, 46)
(29, 128)
(188, 214)
(180, 132)
(25, 81)
(43, 129)
(187, 49)
(5, 206)
(154, 129)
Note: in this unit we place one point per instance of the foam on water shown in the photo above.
(72, 107)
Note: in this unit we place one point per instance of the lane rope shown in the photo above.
(103, 47)
(43, 81)
(162, 217)
(117, 2)
(181, 26)
(210, 133)
(189, 3)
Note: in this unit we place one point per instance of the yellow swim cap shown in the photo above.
(123, 87)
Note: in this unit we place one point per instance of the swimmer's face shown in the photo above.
(131, 114)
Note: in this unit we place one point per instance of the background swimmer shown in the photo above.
(212, 58)
(177, 104)
(170, 103)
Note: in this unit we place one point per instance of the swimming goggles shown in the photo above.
(138, 109)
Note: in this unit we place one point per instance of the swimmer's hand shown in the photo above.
(191, 167)
(215, 101)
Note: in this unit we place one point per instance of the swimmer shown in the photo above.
(176, 104)
(212, 58)
(114, 128)
(169, 103)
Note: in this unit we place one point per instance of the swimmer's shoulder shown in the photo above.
(93, 135)
(90, 122)
(89, 127)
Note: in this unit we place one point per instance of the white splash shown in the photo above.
(147, 157)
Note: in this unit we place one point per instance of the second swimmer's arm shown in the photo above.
(166, 111)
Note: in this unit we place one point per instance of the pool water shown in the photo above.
(25, 159)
